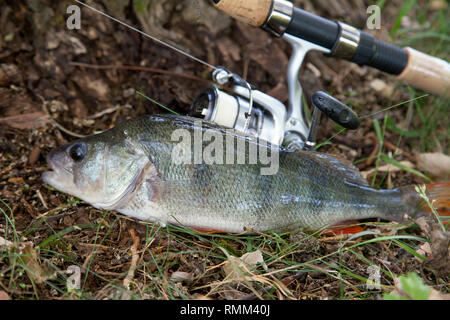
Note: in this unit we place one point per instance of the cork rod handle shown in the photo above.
(427, 73)
(252, 12)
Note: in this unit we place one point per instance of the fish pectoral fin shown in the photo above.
(153, 184)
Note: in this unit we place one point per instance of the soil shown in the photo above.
(56, 84)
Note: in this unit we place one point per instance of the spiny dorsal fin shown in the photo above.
(342, 167)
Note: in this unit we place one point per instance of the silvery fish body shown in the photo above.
(131, 169)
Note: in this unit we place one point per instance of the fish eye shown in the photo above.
(78, 151)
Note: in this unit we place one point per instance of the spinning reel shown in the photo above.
(255, 113)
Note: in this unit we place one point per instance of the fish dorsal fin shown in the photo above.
(343, 168)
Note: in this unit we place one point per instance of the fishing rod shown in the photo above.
(308, 32)
(283, 19)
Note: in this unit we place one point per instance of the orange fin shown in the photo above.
(348, 228)
(439, 196)
(208, 231)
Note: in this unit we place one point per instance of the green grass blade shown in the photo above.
(403, 12)
(157, 103)
(399, 165)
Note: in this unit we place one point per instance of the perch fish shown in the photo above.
(130, 169)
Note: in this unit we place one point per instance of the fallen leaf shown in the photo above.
(231, 293)
(382, 87)
(9, 73)
(424, 250)
(180, 276)
(5, 243)
(390, 168)
(3, 295)
(199, 296)
(436, 5)
(16, 180)
(34, 155)
(436, 295)
(440, 249)
(235, 267)
(96, 88)
(435, 164)
(424, 225)
(26, 121)
(35, 270)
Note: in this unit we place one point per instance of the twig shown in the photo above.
(106, 111)
(374, 152)
(44, 203)
(56, 124)
(70, 133)
(134, 260)
(394, 148)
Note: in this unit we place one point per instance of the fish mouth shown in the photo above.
(49, 176)
(58, 176)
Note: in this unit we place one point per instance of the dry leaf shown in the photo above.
(234, 267)
(436, 295)
(5, 243)
(435, 164)
(231, 293)
(35, 270)
(3, 295)
(180, 276)
(96, 88)
(424, 250)
(436, 5)
(387, 168)
(26, 121)
(199, 296)
(382, 87)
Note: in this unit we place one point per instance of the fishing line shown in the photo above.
(394, 106)
(148, 36)
(157, 103)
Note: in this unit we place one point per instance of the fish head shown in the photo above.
(102, 170)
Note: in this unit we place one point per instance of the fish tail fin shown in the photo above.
(438, 195)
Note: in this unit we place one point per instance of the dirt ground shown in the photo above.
(56, 83)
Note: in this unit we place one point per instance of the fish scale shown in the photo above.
(218, 196)
(310, 189)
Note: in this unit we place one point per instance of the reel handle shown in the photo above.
(336, 110)
(333, 109)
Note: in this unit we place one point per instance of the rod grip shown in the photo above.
(427, 73)
(252, 12)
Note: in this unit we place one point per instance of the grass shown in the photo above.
(300, 264)
(156, 103)
(165, 249)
